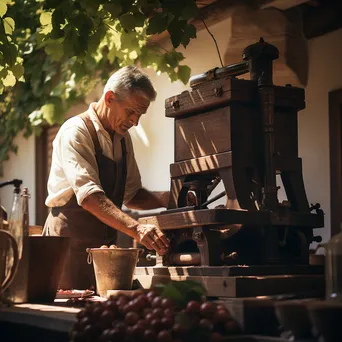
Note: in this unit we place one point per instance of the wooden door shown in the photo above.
(335, 141)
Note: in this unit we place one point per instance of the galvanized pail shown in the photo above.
(114, 267)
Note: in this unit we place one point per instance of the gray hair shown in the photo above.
(129, 80)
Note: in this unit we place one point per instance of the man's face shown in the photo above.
(125, 113)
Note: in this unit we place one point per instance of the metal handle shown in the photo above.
(215, 198)
(11, 274)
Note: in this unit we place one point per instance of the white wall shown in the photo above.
(325, 75)
(21, 166)
(154, 160)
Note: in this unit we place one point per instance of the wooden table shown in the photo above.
(36, 322)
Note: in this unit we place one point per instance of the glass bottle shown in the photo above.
(333, 268)
(15, 221)
(25, 211)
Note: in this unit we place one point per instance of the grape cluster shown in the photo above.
(146, 316)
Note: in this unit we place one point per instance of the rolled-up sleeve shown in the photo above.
(77, 159)
(133, 180)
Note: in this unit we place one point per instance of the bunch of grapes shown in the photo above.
(146, 316)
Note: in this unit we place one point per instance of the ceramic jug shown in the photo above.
(6, 240)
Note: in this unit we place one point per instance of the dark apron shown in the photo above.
(85, 230)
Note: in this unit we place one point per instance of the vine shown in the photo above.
(53, 52)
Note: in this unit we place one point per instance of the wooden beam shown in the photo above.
(322, 19)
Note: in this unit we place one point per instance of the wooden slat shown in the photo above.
(203, 135)
(202, 164)
(231, 271)
(243, 286)
(207, 217)
(205, 96)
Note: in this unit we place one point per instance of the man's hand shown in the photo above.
(152, 238)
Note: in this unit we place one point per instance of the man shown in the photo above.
(93, 172)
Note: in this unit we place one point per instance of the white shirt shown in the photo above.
(74, 168)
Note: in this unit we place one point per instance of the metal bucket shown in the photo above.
(114, 267)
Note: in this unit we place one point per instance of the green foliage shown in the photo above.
(54, 52)
(182, 292)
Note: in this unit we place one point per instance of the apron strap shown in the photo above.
(85, 117)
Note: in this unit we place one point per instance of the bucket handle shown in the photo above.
(140, 251)
(90, 256)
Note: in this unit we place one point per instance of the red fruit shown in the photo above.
(142, 323)
(122, 300)
(221, 307)
(164, 336)
(147, 311)
(91, 332)
(156, 302)
(216, 337)
(138, 293)
(167, 322)
(168, 312)
(232, 327)
(207, 310)
(120, 326)
(131, 318)
(222, 316)
(179, 330)
(137, 331)
(149, 317)
(166, 303)
(193, 308)
(141, 302)
(111, 305)
(156, 324)
(150, 335)
(84, 322)
(205, 324)
(116, 334)
(151, 294)
(81, 314)
(158, 313)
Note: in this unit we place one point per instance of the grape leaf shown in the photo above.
(55, 50)
(3, 9)
(18, 70)
(112, 54)
(58, 18)
(139, 19)
(10, 54)
(127, 21)
(176, 30)
(129, 41)
(68, 45)
(53, 112)
(113, 8)
(181, 292)
(45, 18)
(95, 40)
(9, 25)
(157, 24)
(189, 11)
(189, 32)
(184, 73)
(9, 80)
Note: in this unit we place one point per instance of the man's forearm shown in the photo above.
(145, 200)
(107, 212)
